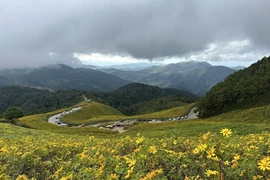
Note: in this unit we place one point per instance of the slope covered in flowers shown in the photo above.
(33, 154)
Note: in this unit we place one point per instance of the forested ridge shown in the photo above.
(138, 98)
(246, 88)
(132, 99)
(33, 101)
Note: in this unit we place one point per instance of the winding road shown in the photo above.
(191, 114)
(55, 119)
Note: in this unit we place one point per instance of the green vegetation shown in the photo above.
(13, 113)
(90, 111)
(33, 101)
(244, 89)
(137, 98)
(130, 100)
(234, 145)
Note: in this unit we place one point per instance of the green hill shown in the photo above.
(246, 88)
(89, 111)
(135, 98)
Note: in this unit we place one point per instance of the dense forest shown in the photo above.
(245, 88)
(33, 101)
(137, 98)
(131, 99)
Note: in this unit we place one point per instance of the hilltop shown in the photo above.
(246, 88)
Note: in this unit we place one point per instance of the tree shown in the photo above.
(13, 113)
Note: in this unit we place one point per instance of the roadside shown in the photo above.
(122, 125)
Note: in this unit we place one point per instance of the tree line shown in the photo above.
(246, 88)
(134, 98)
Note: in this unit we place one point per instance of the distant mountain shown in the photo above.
(196, 77)
(238, 67)
(246, 88)
(60, 77)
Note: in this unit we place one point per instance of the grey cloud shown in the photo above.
(149, 29)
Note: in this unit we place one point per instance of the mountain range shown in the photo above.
(61, 77)
(196, 77)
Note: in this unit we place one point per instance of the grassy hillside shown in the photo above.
(173, 150)
(93, 113)
(40, 122)
(89, 111)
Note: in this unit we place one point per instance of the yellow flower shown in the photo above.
(226, 132)
(164, 144)
(227, 163)
(206, 135)
(139, 140)
(202, 147)
(22, 177)
(211, 153)
(174, 142)
(152, 149)
(69, 177)
(3, 150)
(130, 162)
(236, 158)
(113, 176)
(129, 173)
(209, 172)
(196, 151)
(257, 177)
(152, 174)
(264, 164)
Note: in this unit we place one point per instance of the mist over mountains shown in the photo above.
(196, 77)
(61, 77)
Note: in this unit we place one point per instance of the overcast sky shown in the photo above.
(104, 32)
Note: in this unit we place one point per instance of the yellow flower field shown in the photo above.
(32, 154)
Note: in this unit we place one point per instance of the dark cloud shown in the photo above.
(30, 31)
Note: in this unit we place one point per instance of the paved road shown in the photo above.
(55, 119)
(191, 114)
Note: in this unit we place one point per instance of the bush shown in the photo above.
(13, 113)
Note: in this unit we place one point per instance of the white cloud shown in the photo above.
(105, 60)
(231, 53)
